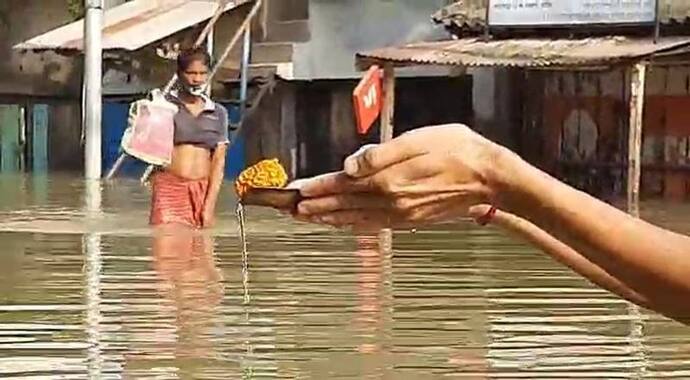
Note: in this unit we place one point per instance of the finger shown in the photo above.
(372, 159)
(417, 168)
(358, 219)
(339, 183)
(331, 183)
(350, 165)
(437, 213)
(302, 218)
(297, 184)
(478, 211)
(342, 202)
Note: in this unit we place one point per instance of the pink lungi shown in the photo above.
(176, 200)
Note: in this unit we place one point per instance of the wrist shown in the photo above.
(507, 179)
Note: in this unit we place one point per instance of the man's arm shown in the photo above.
(438, 173)
(217, 170)
(562, 253)
(651, 262)
(215, 183)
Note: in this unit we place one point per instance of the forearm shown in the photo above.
(216, 177)
(652, 261)
(566, 255)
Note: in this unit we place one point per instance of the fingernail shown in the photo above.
(351, 166)
(297, 184)
(302, 209)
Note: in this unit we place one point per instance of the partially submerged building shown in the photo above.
(139, 39)
(308, 119)
(554, 96)
(302, 72)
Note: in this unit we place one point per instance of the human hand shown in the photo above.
(208, 217)
(429, 175)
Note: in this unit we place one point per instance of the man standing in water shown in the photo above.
(186, 191)
(440, 173)
(183, 208)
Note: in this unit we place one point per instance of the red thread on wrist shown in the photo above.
(486, 218)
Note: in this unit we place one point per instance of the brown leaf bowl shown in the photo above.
(278, 198)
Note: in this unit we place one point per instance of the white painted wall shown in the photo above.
(342, 28)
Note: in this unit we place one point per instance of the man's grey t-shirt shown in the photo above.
(208, 129)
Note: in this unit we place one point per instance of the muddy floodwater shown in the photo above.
(88, 292)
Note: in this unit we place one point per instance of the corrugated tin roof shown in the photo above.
(527, 53)
(132, 25)
(469, 16)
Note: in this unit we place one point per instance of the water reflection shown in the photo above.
(369, 321)
(87, 290)
(92, 253)
(189, 280)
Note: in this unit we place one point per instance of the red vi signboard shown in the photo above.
(368, 98)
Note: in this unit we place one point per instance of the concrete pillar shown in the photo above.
(93, 74)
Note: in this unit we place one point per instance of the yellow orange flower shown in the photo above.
(264, 174)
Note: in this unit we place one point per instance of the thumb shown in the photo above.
(370, 159)
(356, 165)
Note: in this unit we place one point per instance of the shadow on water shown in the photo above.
(87, 290)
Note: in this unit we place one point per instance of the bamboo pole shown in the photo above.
(239, 33)
(637, 87)
(246, 24)
(208, 29)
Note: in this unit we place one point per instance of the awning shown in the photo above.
(525, 53)
(132, 25)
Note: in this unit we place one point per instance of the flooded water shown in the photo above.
(87, 291)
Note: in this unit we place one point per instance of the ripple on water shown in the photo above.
(97, 296)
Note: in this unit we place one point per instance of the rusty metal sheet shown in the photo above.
(132, 25)
(527, 53)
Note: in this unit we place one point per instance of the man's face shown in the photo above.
(195, 75)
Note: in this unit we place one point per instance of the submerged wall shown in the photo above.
(310, 126)
(579, 131)
(29, 73)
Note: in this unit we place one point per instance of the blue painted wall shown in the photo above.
(115, 123)
(39, 136)
(236, 159)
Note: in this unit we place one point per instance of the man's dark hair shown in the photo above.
(188, 56)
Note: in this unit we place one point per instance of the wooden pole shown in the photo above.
(637, 87)
(387, 119)
(388, 111)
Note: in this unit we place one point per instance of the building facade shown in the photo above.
(574, 124)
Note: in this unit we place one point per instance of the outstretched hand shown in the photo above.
(430, 175)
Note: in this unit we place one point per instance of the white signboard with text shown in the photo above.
(570, 12)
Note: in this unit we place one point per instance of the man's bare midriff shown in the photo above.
(190, 162)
